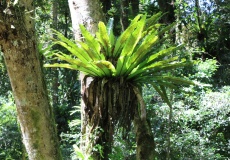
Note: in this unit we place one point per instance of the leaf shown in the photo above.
(90, 52)
(106, 66)
(89, 66)
(73, 67)
(124, 36)
(134, 38)
(121, 64)
(175, 80)
(141, 52)
(73, 49)
(163, 53)
(79, 152)
(162, 93)
(91, 42)
(104, 38)
(153, 20)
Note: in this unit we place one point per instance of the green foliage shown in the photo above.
(197, 132)
(203, 131)
(4, 80)
(80, 154)
(132, 56)
(205, 70)
(10, 136)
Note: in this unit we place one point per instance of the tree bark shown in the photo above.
(167, 6)
(88, 13)
(55, 70)
(124, 18)
(135, 7)
(35, 115)
(144, 137)
(85, 12)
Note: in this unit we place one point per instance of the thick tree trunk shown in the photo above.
(88, 13)
(85, 12)
(35, 115)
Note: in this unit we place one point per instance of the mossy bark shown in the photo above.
(35, 115)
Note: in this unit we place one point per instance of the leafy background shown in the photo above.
(200, 123)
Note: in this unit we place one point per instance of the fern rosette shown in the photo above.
(133, 57)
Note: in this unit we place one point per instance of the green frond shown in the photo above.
(161, 54)
(73, 67)
(121, 65)
(121, 41)
(76, 51)
(73, 61)
(90, 52)
(134, 38)
(153, 20)
(133, 56)
(141, 52)
(92, 43)
(174, 80)
(104, 39)
(162, 92)
(107, 68)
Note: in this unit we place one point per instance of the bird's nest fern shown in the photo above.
(131, 57)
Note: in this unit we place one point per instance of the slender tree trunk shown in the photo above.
(124, 19)
(135, 7)
(85, 12)
(106, 5)
(144, 137)
(201, 34)
(35, 115)
(167, 6)
(55, 70)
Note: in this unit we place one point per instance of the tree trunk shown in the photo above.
(124, 18)
(106, 6)
(135, 7)
(88, 13)
(85, 12)
(167, 6)
(144, 138)
(35, 115)
(55, 70)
